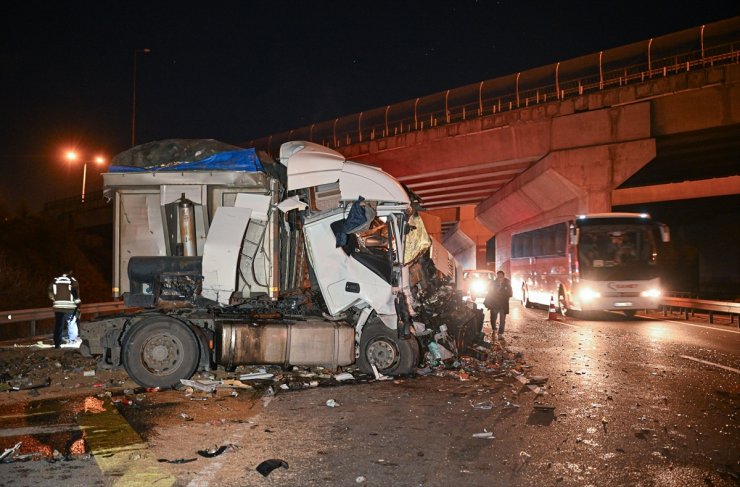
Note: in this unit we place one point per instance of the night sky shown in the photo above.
(234, 71)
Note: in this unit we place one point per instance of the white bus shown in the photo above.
(605, 261)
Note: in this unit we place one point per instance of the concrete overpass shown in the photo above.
(653, 121)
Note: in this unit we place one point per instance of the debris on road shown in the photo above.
(344, 376)
(485, 434)
(9, 452)
(266, 467)
(201, 385)
(544, 407)
(32, 385)
(257, 376)
(213, 452)
(332, 403)
(178, 461)
(482, 405)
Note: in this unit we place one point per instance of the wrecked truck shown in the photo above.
(237, 259)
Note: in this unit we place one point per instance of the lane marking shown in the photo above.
(736, 332)
(710, 363)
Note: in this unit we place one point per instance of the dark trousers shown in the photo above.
(501, 315)
(60, 324)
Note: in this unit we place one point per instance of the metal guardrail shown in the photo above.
(689, 305)
(681, 52)
(32, 316)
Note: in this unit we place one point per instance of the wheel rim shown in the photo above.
(382, 353)
(162, 353)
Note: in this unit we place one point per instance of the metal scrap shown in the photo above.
(9, 452)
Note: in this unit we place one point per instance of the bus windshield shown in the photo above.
(613, 251)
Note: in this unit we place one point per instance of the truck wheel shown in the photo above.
(391, 355)
(160, 351)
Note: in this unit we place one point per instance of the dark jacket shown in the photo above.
(498, 296)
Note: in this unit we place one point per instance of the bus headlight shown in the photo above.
(651, 293)
(587, 294)
(478, 287)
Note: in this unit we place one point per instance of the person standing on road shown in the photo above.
(497, 301)
(64, 292)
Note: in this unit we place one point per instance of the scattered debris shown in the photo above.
(344, 376)
(378, 375)
(201, 385)
(537, 380)
(9, 452)
(88, 373)
(186, 417)
(266, 467)
(485, 434)
(482, 405)
(257, 376)
(213, 452)
(178, 461)
(332, 403)
(360, 479)
(544, 407)
(32, 385)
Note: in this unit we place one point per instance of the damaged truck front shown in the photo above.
(236, 259)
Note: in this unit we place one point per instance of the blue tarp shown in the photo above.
(238, 160)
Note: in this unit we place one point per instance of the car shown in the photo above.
(476, 283)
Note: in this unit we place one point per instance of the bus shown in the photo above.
(604, 261)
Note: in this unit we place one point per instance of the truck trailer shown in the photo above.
(225, 257)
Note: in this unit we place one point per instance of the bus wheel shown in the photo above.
(159, 351)
(630, 313)
(562, 304)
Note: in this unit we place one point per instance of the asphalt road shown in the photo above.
(636, 402)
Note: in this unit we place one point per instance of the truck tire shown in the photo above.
(391, 355)
(159, 351)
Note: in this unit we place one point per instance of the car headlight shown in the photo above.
(651, 293)
(588, 294)
(477, 287)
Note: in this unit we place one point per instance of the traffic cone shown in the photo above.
(552, 314)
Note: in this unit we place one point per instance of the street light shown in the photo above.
(73, 156)
(133, 97)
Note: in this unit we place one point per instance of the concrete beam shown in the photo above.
(677, 191)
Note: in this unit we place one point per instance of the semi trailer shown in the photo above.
(226, 257)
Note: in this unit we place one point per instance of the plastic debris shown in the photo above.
(9, 452)
(266, 467)
(186, 417)
(201, 385)
(332, 403)
(256, 376)
(537, 380)
(178, 461)
(88, 373)
(344, 376)
(488, 435)
(378, 375)
(233, 383)
(360, 479)
(482, 405)
(213, 452)
(32, 385)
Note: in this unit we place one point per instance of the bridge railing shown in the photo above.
(656, 58)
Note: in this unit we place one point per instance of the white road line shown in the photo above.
(736, 332)
(710, 363)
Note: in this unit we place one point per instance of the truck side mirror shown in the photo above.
(665, 233)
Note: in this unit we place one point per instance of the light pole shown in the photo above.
(72, 156)
(133, 97)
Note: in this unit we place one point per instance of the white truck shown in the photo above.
(237, 259)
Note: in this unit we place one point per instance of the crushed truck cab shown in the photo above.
(234, 259)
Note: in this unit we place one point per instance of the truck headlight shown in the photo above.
(588, 294)
(651, 293)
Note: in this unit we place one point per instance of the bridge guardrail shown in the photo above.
(34, 315)
(689, 305)
(651, 59)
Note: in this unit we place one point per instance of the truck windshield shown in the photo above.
(617, 251)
